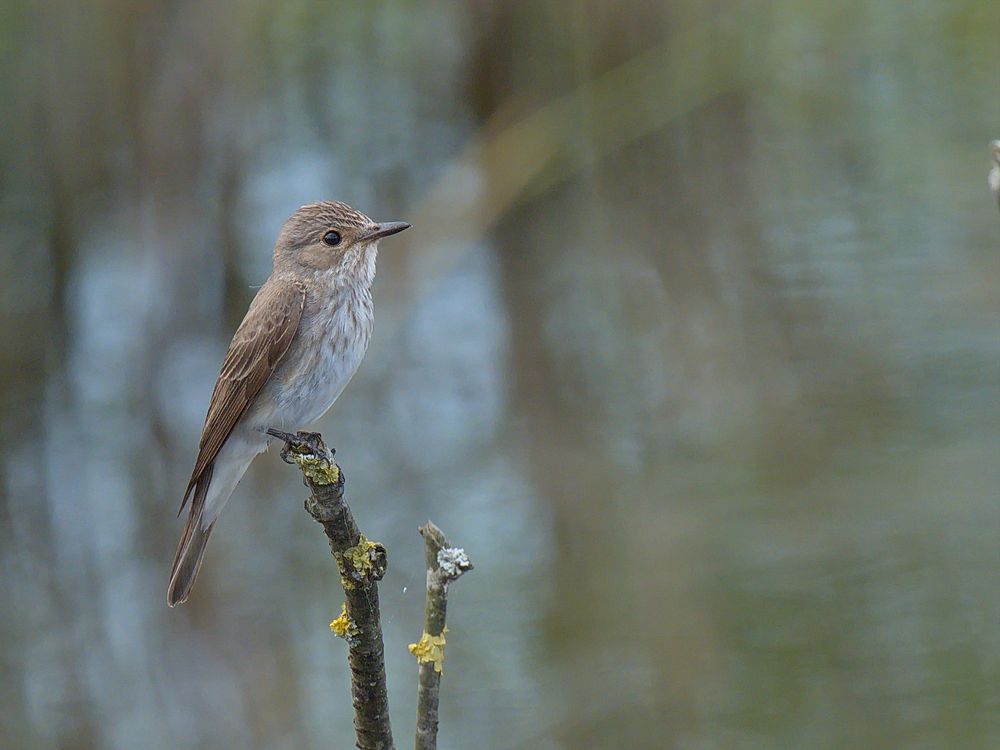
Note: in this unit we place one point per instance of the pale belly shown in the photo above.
(304, 386)
(316, 389)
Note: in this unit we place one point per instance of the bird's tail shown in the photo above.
(211, 492)
(187, 562)
(191, 548)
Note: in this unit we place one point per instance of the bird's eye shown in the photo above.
(331, 238)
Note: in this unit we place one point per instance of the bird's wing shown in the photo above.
(257, 346)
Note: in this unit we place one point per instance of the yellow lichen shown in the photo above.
(317, 470)
(343, 626)
(359, 558)
(429, 649)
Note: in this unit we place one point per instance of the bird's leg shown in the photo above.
(287, 438)
(301, 443)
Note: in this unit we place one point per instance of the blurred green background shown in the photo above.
(693, 345)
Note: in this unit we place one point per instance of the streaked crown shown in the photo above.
(301, 226)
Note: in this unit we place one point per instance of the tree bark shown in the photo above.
(445, 564)
(362, 563)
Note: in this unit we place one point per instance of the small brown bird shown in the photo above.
(300, 343)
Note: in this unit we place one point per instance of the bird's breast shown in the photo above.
(325, 354)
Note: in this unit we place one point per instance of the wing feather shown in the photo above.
(257, 347)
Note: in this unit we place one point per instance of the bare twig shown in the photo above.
(994, 176)
(445, 564)
(362, 564)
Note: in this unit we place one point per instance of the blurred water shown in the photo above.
(693, 346)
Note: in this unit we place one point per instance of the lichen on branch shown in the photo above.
(343, 626)
(366, 559)
(430, 650)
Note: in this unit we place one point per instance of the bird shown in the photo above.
(994, 176)
(301, 341)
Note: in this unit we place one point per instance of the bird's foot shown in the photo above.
(287, 438)
(301, 443)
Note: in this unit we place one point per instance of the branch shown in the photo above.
(994, 176)
(444, 565)
(362, 564)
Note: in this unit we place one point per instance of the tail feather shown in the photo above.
(211, 491)
(191, 548)
(187, 565)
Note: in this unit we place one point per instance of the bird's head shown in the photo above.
(332, 236)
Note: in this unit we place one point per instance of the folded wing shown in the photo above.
(256, 349)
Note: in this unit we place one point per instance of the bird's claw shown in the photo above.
(287, 438)
(302, 443)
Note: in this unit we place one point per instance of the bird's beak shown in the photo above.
(384, 229)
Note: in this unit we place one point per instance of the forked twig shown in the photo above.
(445, 564)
